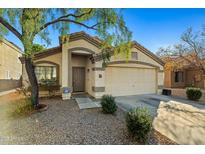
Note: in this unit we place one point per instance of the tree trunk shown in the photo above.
(33, 81)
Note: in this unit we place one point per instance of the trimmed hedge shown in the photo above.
(193, 93)
(108, 104)
(139, 123)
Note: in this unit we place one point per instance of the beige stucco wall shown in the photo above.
(160, 82)
(99, 82)
(141, 57)
(79, 61)
(9, 61)
(66, 62)
(161, 78)
(84, 44)
(144, 58)
(90, 80)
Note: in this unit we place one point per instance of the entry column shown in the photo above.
(99, 80)
(66, 71)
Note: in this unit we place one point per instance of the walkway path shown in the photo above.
(86, 103)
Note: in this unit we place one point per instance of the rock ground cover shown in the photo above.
(65, 123)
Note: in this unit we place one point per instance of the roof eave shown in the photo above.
(148, 52)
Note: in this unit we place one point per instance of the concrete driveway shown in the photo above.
(181, 120)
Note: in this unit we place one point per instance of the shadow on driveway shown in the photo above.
(128, 103)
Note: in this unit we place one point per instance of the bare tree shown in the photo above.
(191, 49)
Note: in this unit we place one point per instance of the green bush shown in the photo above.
(108, 104)
(193, 93)
(139, 123)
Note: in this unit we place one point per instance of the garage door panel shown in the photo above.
(130, 81)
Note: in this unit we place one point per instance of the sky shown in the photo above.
(152, 28)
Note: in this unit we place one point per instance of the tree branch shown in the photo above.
(84, 25)
(75, 16)
(71, 21)
(65, 19)
(10, 28)
(187, 59)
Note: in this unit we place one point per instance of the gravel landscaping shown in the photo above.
(65, 123)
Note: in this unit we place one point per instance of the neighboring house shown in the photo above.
(180, 73)
(76, 65)
(10, 65)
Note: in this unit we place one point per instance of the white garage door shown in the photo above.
(121, 81)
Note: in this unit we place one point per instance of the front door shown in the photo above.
(78, 79)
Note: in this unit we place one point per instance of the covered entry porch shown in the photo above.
(77, 71)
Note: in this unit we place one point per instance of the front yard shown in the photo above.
(65, 123)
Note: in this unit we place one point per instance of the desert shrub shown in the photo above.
(21, 107)
(108, 104)
(139, 123)
(193, 93)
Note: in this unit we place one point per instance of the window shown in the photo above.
(46, 75)
(179, 76)
(134, 55)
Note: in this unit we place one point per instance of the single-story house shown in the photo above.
(182, 72)
(76, 65)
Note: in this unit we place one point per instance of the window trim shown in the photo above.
(38, 63)
(45, 71)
